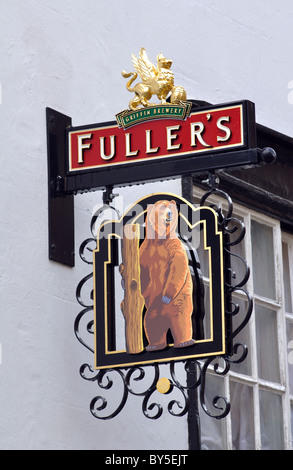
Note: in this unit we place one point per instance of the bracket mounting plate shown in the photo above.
(60, 206)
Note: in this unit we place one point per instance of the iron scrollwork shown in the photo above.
(142, 381)
(234, 231)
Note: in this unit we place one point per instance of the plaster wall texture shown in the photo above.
(68, 55)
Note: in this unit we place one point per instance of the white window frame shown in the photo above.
(288, 239)
(278, 305)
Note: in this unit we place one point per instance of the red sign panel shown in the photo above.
(204, 131)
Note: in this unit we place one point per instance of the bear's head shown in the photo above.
(162, 220)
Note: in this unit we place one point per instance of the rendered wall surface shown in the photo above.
(68, 55)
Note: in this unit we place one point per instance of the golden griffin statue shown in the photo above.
(157, 81)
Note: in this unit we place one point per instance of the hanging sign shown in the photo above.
(169, 139)
(161, 290)
(151, 303)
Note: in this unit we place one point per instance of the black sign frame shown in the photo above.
(106, 258)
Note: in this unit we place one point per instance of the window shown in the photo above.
(287, 252)
(260, 389)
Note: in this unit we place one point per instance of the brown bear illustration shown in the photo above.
(166, 283)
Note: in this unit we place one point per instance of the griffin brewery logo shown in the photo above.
(155, 81)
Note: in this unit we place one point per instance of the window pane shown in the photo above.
(212, 430)
(271, 422)
(267, 344)
(242, 416)
(290, 354)
(263, 260)
(286, 278)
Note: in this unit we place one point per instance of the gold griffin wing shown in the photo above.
(144, 67)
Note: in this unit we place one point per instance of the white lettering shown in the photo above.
(112, 148)
(167, 459)
(82, 146)
(223, 128)
(171, 137)
(117, 460)
(149, 148)
(197, 133)
(129, 152)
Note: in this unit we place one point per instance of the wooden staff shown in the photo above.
(133, 303)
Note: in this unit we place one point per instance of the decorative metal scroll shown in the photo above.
(116, 386)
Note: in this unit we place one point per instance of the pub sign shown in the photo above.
(151, 301)
(148, 264)
(147, 277)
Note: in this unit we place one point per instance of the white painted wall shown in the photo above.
(68, 55)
